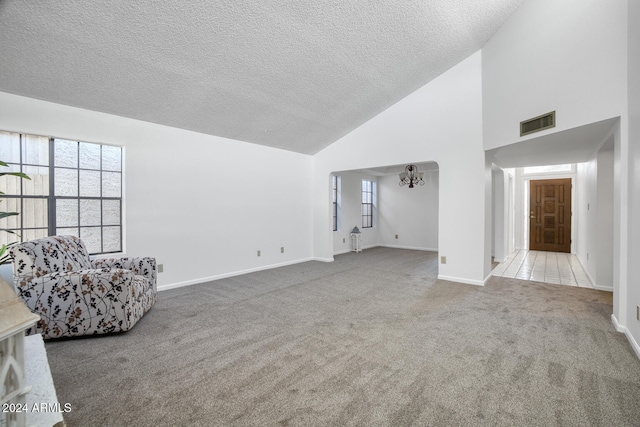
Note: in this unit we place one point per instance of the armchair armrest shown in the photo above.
(79, 303)
(141, 266)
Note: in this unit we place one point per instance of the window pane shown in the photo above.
(10, 184)
(89, 156)
(9, 147)
(66, 182)
(67, 212)
(38, 184)
(111, 184)
(111, 239)
(66, 153)
(35, 213)
(35, 150)
(89, 183)
(111, 212)
(90, 212)
(68, 232)
(91, 237)
(34, 234)
(10, 205)
(6, 238)
(111, 158)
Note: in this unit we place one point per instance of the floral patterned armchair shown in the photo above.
(75, 295)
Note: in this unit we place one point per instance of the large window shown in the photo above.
(75, 189)
(368, 203)
(335, 191)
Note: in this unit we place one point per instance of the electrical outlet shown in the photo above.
(344, 239)
(443, 260)
(258, 253)
(396, 237)
(282, 249)
(160, 268)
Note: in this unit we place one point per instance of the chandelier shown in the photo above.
(411, 176)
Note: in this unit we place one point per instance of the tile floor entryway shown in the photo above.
(549, 267)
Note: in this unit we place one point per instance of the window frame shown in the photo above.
(335, 191)
(368, 203)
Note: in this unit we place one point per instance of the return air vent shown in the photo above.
(537, 124)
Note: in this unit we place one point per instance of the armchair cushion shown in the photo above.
(75, 295)
(51, 254)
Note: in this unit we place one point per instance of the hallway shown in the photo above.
(549, 267)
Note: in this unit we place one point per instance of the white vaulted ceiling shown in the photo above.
(295, 75)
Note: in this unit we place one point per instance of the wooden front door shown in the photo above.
(550, 215)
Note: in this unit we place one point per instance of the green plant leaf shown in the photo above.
(6, 214)
(19, 174)
(4, 255)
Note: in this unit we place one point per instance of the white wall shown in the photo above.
(568, 56)
(586, 216)
(351, 213)
(633, 295)
(409, 213)
(502, 213)
(425, 126)
(604, 235)
(201, 205)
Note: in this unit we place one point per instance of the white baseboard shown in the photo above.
(603, 288)
(346, 251)
(593, 282)
(633, 342)
(321, 259)
(625, 331)
(461, 280)
(236, 273)
(617, 325)
(413, 248)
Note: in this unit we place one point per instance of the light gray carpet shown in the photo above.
(371, 339)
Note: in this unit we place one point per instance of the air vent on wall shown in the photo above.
(537, 124)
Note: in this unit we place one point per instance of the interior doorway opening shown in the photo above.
(590, 156)
(402, 217)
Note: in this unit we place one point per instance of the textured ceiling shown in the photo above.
(295, 75)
